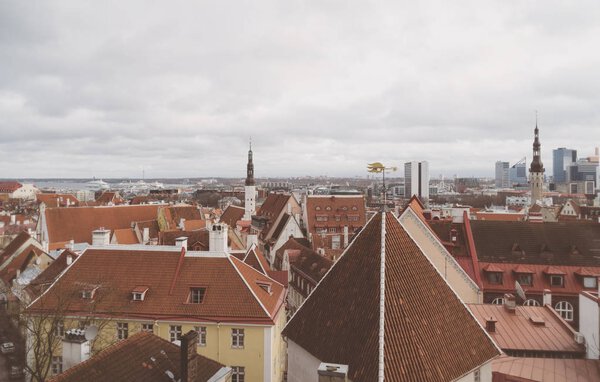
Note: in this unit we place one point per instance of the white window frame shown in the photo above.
(238, 374)
(498, 301)
(197, 295)
(59, 329)
(531, 302)
(565, 309)
(594, 282)
(175, 332)
(560, 278)
(237, 338)
(57, 365)
(201, 330)
(122, 330)
(148, 327)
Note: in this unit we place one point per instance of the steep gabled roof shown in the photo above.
(77, 223)
(19, 263)
(143, 357)
(125, 236)
(256, 260)
(49, 275)
(57, 200)
(423, 332)
(13, 246)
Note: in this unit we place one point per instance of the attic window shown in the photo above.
(557, 281)
(525, 279)
(328, 208)
(354, 208)
(139, 293)
(318, 208)
(590, 282)
(265, 286)
(88, 293)
(197, 295)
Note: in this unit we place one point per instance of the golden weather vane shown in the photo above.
(377, 168)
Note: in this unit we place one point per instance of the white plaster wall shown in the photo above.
(589, 325)
(302, 366)
(485, 374)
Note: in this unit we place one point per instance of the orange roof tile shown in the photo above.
(232, 215)
(339, 322)
(193, 225)
(57, 200)
(125, 236)
(511, 369)
(255, 259)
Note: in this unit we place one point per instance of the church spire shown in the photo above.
(250, 168)
(536, 164)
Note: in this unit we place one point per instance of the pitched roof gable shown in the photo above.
(255, 259)
(13, 246)
(339, 322)
(232, 215)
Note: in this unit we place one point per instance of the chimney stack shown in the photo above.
(331, 372)
(182, 224)
(100, 237)
(345, 236)
(145, 235)
(189, 371)
(217, 238)
(510, 303)
(69, 259)
(75, 348)
(13, 219)
(181, 242)
(453, 235)
(251, 239)
(490, 325)
(547, 297)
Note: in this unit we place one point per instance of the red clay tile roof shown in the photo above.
(513, 369)
(13, 246)
(125, 236)
(311, 265)
(572, 284)
(193, 225)
(516, 331)
(19, 263)
(78, 223)
(273, 205)
(256, 260)
(143, 357)
(49, 275)
(152, 226)
(232, 291)
(57, 200)
(339, 322)
(232, 215)
(334, 207)
(109, 197)
(9, 187)
(174, 214)
(495, 216)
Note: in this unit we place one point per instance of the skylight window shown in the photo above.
(197, 295)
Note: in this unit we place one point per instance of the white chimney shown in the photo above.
(69, 259)
(13, 219)
(547, 297)
(75, 348)
(100, 237)
(217, 238)
(345, 236)
(182, 224)
(71, 245)
(145, 235)
(332, 372)
(181, 242)
(251, 239)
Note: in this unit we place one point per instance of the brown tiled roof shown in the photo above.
(273, 205)
(13, 246)
(512, 369)
(49, 275)
(232, 215)
(152, 226)
(562, 243)
(311, 265)
(232, 290)
(196, 239)
(19, 263)
(256, 260)
(109, 197)
(193, 225)
(125, 236)
(517, 331)
(174, 214)
(78, 223)
(10, 187)
(57, 200)
(293, 243)
(424, 331)
(143, 357)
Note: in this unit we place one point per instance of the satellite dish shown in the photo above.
(91, 332)
(520, 291)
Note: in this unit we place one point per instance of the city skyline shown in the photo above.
(178, 90)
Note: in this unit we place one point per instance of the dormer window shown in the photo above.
(139, 293)
(197, 295)
(266, 286)
(590, 282)
(557, 281)
(525, 279)
(88, 293)
(494, 278)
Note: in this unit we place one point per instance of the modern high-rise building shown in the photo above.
(502, 179)
(416, 180)
(517, 173)
(562, 158)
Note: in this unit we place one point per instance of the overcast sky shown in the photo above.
(323, 87)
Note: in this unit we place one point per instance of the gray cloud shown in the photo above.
(103, 89)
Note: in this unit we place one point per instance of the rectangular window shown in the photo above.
(59, 329)
(237, 338)
(197, 295)
(335, 242)
(321, 218)
(495, 278)
(557, 281)
(590, 282)
(174, 332)
(148, 328)
(332, 229)
(201, 335)
(238, 373)
(525, 279)
(477, 375)
(122, 330)
(57, 366)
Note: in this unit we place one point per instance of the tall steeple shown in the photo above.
(249, 189)
(536, 170)
(250, 168)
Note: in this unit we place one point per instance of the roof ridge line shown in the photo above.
(382, 302)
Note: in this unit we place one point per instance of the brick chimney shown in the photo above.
(510, 303)
(490, 325)
(189, 371)
(217, 238)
